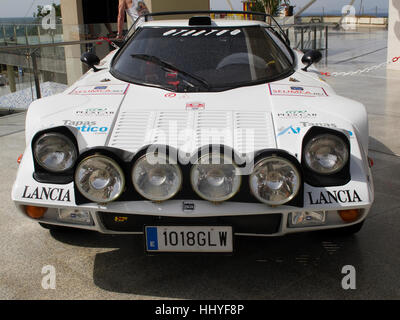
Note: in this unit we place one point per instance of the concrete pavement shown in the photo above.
(305, 266)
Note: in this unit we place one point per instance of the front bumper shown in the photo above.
(267, 224)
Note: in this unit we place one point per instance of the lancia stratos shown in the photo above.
(194, 132)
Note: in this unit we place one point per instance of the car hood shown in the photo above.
(188, 121)
(130, 117)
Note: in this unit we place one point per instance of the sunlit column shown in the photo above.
(394, 33)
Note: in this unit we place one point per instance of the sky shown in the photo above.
(329, 5)
(21, 8)
(25, 8)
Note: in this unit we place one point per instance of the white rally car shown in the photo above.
(193, 132)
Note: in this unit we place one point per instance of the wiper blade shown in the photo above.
(167, 65)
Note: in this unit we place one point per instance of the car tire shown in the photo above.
(53, 227)
(346, 231)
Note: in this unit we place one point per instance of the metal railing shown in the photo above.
(41, 63)
(309, 36)
(42, 56)
(15, 34)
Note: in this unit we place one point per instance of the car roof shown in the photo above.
(215, 23)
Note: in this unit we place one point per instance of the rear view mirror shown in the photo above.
(91, 60)
(311, 57)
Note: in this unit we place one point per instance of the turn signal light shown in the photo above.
(35, 212)
(349, 215)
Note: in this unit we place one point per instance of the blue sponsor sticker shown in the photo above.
(152, 238)
(297, 88)
(100, 88)
(289, 130)
(92, 129)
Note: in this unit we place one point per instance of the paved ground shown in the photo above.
(91, 265)
(12, 124)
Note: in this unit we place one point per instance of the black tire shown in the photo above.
(346, 231)
(53, 227)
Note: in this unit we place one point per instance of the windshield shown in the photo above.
(202, 58)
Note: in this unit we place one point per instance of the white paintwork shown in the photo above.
(135, 115)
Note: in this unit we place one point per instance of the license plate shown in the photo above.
(188, 239)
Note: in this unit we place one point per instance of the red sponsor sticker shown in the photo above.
(170, 95)
(115, 89)
(289, 90)
(195, 106)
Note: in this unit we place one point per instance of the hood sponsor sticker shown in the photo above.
(294, 91)
(195, 106)
(289, 130)
(296, 114)
(95, 112)
(87, 126)
(296, 129)
(115, 89)
(177, 95)
(305, 124)
(297, 88)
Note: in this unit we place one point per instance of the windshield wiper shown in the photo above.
(167, 65)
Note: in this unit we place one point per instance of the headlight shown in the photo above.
(157, 181)
(326, 154)
(55, 152)
(99, 179)
(275, 181)
(215, 178)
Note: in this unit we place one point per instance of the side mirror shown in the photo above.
(311, 57)
(91, 60)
